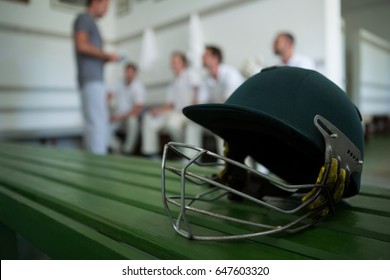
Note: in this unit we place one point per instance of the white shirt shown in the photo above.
(127, 96)
(181, 91)
(218, 90)
(298, 60)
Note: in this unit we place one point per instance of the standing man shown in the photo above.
(129, 99)
(181, 93)
(284, 48)
(90, 66)
(222, 80)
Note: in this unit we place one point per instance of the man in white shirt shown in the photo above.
(284, 48)
(180, 93)
(127, 100)
(222, 80)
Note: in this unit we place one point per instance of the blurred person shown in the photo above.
(127, 102)
(221, 81)
(180, 93)
(91, 58)
(284, 48)
(251, 66)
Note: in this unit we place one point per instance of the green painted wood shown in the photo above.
(58, 235)
(145, 230)
(53, 156)
(131, 177)
(130, 180)
(141, 182)
(359, 223)
(369, 204)
(136, 197)
(107, 179)
(322, 255)
(144, 187)
(136, 165)
(374, 191)
(8, 243)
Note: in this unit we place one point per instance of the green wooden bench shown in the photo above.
(74, 205)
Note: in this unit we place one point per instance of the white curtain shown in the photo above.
(195, 42)
(149, 50)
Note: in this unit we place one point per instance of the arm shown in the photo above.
(203, 93)
(164, 108)
(84, 47)
(233, 81)
(195, 98)
(133, 113)
(169, 105)
(110, 96)
(195, 81)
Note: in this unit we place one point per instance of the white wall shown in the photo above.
(244, 30)
(367, 45)
(371, 15)
(374, 74)
(37, 90)
(37, 69)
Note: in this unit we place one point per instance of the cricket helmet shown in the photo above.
(296, 123)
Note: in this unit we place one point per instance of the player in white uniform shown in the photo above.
(181, 92)
(284, 48)
(127, 100)
(222, 80)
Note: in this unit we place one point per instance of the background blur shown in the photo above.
(348, 39)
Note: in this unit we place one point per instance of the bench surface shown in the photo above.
(74, 205)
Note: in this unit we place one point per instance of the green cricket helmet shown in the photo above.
(299, 125)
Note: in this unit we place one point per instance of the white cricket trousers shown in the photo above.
(131, 127)
(173, 122)
(194, 136)
(95, 113)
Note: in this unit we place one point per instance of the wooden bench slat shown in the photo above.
(147, 231)
(365, 224)
(96, 168)
(128, 192)
(116, 161)
(142, 182)
(375, 205)
(285, 242)
(374, 191)
(153, 181)
(120, 163)
(358, 223)
(64, 238)
(61, 170)
(156, 182)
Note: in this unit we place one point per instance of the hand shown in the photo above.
(115, 118)
(334, 180)
(111, 57)
(155, 112)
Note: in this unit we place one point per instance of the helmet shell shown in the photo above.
(270, 117)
